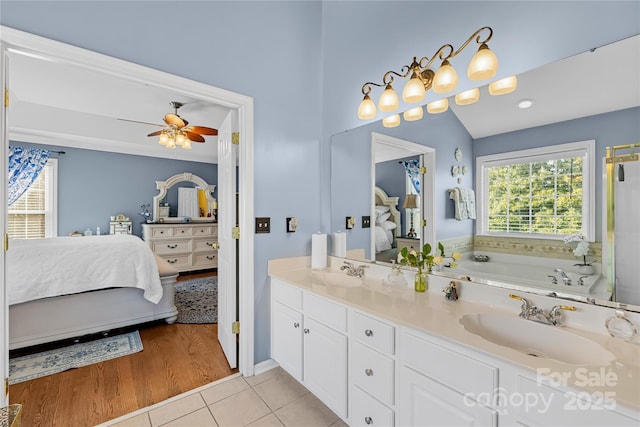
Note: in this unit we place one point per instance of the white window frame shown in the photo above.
(584, 149)
(50, 170)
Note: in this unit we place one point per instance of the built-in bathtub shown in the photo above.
(526, 272)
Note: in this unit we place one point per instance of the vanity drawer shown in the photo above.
(463, 373)
(178, 261)
(177, 246)
(326, 312)
(372, 371)
(372, 332)
(206, 259)
(203, 245)
(286, 294)
(367, 411)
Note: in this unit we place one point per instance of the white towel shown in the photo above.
(465, 203)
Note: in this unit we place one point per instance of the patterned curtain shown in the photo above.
(25, 164)
(413, 171)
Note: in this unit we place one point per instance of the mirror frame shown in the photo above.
(164, 186)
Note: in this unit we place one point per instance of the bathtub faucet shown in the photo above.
(566, 279)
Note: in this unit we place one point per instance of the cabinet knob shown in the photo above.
(368, 420)
(306, 330)
(296, 325)
(368, 372)
(368, 332)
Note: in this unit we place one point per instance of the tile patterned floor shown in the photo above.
(270, 399)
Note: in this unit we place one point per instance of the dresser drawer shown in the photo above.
(170, 247)
(372, 332)
(178, 261)
(206, 259)
(203, 245)
(372, 371)
(161, 232)
(286, 294)
(366, 411)
(203, 231)
(182, 231)
(326, 312)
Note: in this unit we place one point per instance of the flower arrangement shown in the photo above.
(145, 213)
(425, 259)
(582, 248)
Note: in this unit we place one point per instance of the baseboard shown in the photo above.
(264, 366)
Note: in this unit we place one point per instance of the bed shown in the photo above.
(65, 287)
(387, 225)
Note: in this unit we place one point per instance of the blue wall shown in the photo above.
(93, 185)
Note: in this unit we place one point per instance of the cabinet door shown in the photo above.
(424, 402)
(325, 365)
(286, 339)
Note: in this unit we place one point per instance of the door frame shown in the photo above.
(47, 48)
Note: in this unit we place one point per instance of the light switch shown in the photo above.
(263, 225)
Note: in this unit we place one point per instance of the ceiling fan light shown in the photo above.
(414, 90)
(483, 65)
(163, 139)
(439, 106)
(391, 121)
(389, 100)
(180, 139)
(445, 79)
(413, 114)
(186, 145)
(468, 96)
(367, 109)
(503, 86)
(171, 143)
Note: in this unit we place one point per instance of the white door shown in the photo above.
(4, 316)
(227, 292)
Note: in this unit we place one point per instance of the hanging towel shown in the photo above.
(465, 203)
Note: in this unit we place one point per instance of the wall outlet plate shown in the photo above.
(366, 221)
(263, 225)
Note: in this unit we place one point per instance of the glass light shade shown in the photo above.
(483, 65)
(180, 140)
(186, 145)
(468, 96)
(171, 143)
(367, 109)
(439, 106)
(446, 78)
(413, 114)
(503, 86)
(413, 91)
(391, 121)
(389, 100)
(164, 139)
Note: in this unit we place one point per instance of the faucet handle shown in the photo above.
(563, 307)
(555, 313)
(518, 297)
(581, 280)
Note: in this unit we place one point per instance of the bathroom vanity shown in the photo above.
(381, 355)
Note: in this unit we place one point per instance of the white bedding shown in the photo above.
(41, 268)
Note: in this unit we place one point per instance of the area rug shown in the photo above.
(197, 300)
(50, 362)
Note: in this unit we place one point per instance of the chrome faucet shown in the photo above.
(354, 271)
(554, 281)
(566, 279)
(535, 314)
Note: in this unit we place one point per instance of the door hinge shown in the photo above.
(423, 222)
(6, 386)
(6, 97)
(235, 328)
(6, 242)
(235, 233)
(235, 138)
(423, 170)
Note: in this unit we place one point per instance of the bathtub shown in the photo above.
(525, 272)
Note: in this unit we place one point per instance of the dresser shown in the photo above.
(187, 247)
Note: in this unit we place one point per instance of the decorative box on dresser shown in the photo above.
(187, 247)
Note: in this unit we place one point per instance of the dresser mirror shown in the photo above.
(353, 154)
(199, 210)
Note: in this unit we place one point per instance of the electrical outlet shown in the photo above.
(263, 225)
(366, 221)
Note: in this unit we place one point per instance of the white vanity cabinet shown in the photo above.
(308, 340)
(187, 247)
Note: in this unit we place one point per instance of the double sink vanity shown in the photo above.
(385, 355)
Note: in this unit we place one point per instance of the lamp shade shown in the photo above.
(389, 100)
(445, 79)
(367, 109)
(410, 201)
(439, 106)
(483, 65)
(468, 96)
(503, 86)
(391, 121)
(413, 114)
(414, 90)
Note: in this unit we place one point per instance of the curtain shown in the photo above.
(25, 164)
(413, 171)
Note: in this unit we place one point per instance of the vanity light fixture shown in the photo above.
(482, 66)
(503, 86)
(468, 96)
(439, 106)
(391, 121)
(413, 114)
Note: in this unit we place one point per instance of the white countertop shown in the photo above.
(430, 312)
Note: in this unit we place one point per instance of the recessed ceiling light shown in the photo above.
(525, 103)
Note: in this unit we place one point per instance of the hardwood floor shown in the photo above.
(176, 358)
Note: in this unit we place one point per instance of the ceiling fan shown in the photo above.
(176, 132)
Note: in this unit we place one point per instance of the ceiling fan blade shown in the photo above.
(156, 133)
(193, 136)
(137, 121)
(202, 130)
(175, 120)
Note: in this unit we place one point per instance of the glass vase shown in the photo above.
(421, 284)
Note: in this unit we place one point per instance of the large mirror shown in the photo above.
(568, 107)
(191, 195)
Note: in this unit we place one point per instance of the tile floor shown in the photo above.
(272, 398)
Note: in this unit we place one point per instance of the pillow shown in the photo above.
(388, 225)
(382, 209)
(382, 217)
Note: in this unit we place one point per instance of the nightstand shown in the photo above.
(411, 243)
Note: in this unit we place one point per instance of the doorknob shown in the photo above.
(214, 245)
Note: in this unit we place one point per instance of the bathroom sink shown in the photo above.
(537, 340)
(338, 279)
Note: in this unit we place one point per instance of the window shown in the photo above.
(545, 192)
(34, 214)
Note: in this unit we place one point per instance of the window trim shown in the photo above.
(585, 149)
